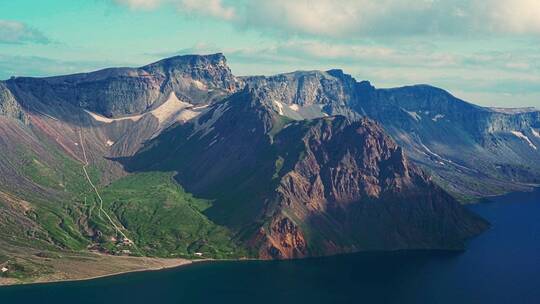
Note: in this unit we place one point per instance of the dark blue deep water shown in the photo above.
(500, 266)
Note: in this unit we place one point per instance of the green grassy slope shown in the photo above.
(164, 220)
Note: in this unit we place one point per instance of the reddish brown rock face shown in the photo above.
(353, 189)
(284, 240)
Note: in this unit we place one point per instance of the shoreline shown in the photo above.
(160, 264)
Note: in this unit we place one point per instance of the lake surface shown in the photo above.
(500, 266)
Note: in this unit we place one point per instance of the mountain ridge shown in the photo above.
(281, 189)
(287, 166)
(488, 131)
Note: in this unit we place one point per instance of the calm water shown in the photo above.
(501, 266)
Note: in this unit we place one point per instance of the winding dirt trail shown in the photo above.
(101, 210)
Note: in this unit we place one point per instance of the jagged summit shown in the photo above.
(187, 60)
(118, 92)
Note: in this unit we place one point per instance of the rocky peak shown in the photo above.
(355, 159)
(9, 106)
(303, 87)
(342, 177)
(210, 71)
(117, 92)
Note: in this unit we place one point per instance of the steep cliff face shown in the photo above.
(119, 92)
(9, 107)
(348, 187)
(306, 95)
(473, 151)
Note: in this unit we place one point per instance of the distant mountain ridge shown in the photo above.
(116, 92)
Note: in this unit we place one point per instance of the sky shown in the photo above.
(484, 51)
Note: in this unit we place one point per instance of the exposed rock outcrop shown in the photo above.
(9, 106)
(117, 92)
(351, 188)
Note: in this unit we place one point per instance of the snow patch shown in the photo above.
(525, 138)
(109, 142)
(431, 152)
(213, 142)
(294, 107)
(172, 110)
(413, 115)
(199, 85)
(169, 108)
(104, 119)
(187, 115)
(535, 133)
(279, 106)
(440, 160)
(437, 117)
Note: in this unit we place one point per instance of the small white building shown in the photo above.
(199, 254)
(4, 269)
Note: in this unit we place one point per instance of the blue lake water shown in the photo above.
(500, 266)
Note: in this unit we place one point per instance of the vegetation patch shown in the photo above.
(163, 220)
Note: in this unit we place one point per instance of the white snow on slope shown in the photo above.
(294, 107)
(431, 152)
(441, 159)
(174, 110)
(199, 85)
(535, 132)
(413, 115)
(171, 111)
(525, 138)
(279, 106)
(104, 119)
(437, 117)
(169, 108)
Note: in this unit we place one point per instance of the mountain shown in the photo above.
(313, 187)
(471, 151)
(119, 92)
(182, 157)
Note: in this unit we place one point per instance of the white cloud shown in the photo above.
(213, 8)
(14, 32)
(515, 16)
(346, 18)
